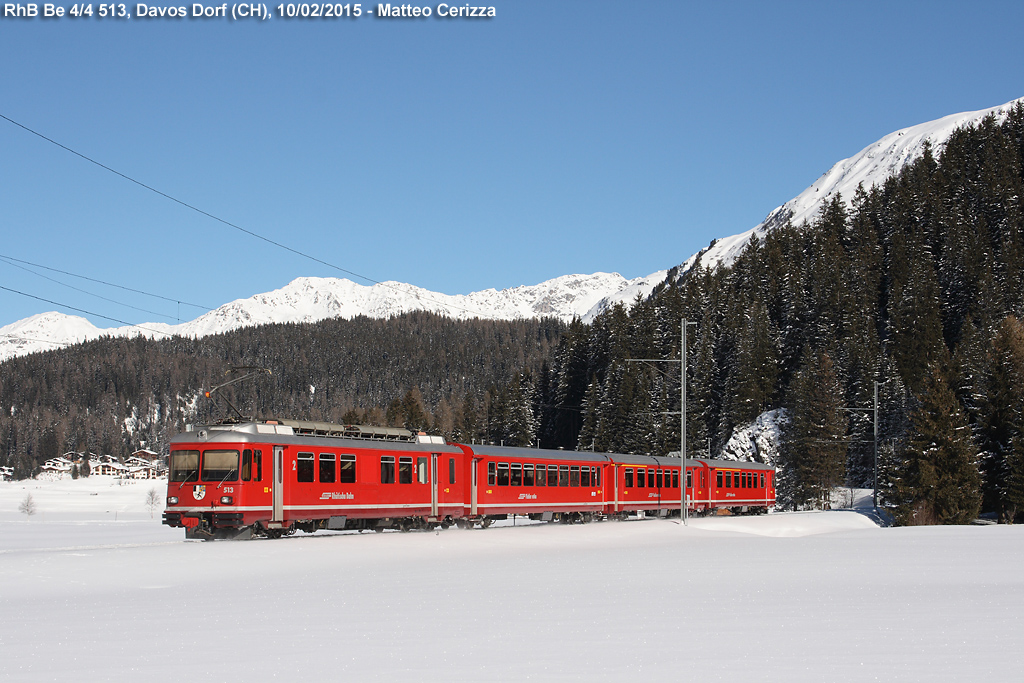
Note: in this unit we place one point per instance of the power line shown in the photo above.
(228, 223)
(83, 291)
(108, 284)
(82, 310)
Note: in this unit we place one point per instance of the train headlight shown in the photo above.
(172, 500)
(226, 500)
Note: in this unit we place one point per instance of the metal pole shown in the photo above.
(874, 488)
(682, 431)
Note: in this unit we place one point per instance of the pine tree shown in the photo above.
(1002, 421)
(939, 481)
(815, 447)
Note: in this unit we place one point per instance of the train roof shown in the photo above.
(623, 458)
(328, 435)
(314, 435)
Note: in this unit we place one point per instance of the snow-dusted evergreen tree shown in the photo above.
(938, 480)
(1002, 421)
(815, 447)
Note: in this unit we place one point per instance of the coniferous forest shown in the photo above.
(917, 287)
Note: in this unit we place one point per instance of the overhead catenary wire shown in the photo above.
(79, 289)
(251, 233)
(108, 284)
(82, 310)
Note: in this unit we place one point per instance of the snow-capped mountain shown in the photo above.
(313, 299)
(871, 166)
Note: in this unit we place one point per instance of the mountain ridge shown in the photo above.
(311, 299)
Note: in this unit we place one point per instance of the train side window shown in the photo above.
(660, 479)
(304, 468)
(327, 469)
(718, 478)
(627, 477)
(246, 464)
(346, 469)
(641, 478)
(585, 477)
(552, 475)
(517, 474)
(542, 475)
(421, 469)
(387, 469)
(675, 479)
(528, 478)
(574, 476)
(689, 479)
(650, 478)
(728, 479)
(597, 476)
(404, 470)
(563, 475)
(762, 480)
(257, 460)
(491, 476)
(451, 470)
(502, 474)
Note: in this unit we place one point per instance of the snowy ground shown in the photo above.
(92, 588)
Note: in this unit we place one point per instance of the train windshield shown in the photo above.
(220, 466)
(184, 466)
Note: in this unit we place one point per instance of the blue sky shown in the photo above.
(457, 155)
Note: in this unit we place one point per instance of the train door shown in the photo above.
(278, 485)
(433, 485)
(474, 466)
(616, 471)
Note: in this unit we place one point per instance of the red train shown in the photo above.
(273, 477)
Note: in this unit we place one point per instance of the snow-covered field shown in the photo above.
(92, 588)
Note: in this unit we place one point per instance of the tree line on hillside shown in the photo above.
(116, 395)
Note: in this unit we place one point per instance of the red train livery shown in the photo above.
(275, 477)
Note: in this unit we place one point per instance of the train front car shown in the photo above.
(275, 477)
(219, 484)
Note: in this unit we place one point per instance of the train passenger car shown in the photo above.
(545, 484)
(644, 483)
(273, 477)
(738, 486)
